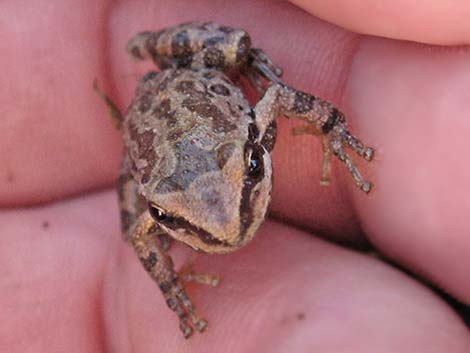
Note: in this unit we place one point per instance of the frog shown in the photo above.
(196, 165)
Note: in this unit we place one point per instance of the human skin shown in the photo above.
(70, 284)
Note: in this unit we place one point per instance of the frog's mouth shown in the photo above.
(196, 237)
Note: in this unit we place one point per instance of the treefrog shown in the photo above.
(197, 165)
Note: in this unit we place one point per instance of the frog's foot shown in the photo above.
(187, 274)
(181, 304)
(178, 300)
(334, 143)
(323, 119)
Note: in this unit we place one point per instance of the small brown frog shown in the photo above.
(197, 164)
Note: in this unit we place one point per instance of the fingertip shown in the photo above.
(413, 104)
(443, 23)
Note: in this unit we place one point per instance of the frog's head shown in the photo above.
(215, 200)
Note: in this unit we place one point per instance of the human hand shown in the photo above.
(70, 284)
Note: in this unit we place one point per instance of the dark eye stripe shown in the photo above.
(253, 132)
(246, 213)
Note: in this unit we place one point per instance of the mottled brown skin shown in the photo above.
(197, 165)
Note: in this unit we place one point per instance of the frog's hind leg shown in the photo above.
(194, 45)
(187, 274)
(323, 119)
(113, 111)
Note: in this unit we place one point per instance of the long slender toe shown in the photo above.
(369, 154)
(366, 187)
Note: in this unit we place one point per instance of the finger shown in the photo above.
(417, 105)
(439, 22)
(54, 139)
(284, 292)
(52, 260)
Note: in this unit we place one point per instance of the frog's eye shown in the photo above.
(159, 214)
(255, 164)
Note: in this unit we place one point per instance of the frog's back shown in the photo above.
(182, 124)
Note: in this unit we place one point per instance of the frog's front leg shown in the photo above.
(160, 267)
(323, 119)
